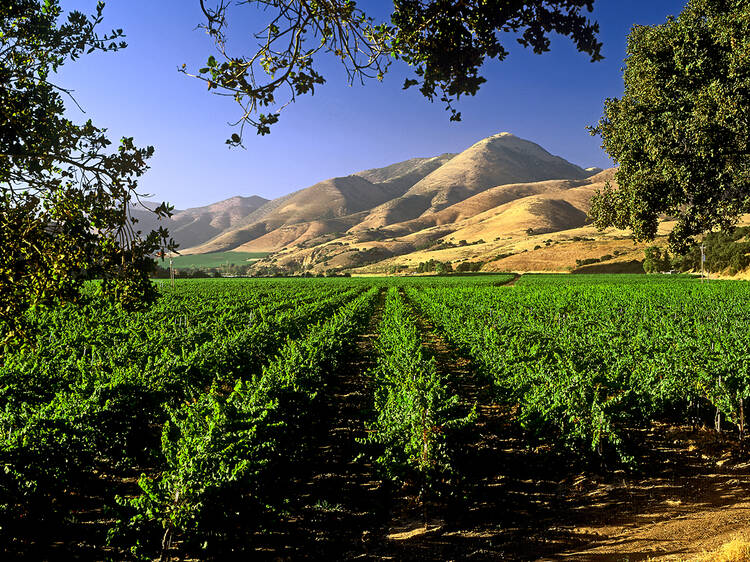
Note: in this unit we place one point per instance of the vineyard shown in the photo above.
(389, 418)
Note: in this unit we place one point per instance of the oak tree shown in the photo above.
(65, 195)
(680, 134)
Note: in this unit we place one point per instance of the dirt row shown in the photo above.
(508, 501)
(512, 502)
(688, 497)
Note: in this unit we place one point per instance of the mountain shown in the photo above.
(497, 160)
(194, 226)
(330, 206)
(398, 199)
(506, 227)
(492, 198)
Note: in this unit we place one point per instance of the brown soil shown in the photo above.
(694, 499)
(342, 507)
(688, 497)
(510, 501)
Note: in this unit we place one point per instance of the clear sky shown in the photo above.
(138, 92)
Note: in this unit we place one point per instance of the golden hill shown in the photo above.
(498, 160)
(517, 226)
(499, 198)
(194, 226)
(326, 207)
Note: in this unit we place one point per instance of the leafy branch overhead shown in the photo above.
(680, 132)
(445, 42)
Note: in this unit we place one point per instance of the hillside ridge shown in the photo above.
(493, 195)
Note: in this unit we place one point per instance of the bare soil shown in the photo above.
(688, 497)
(510, 501)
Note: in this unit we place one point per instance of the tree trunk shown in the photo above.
(166, 543)
(742, 419)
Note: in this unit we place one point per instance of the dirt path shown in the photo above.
(342, 504)
(690, 496)
(516, 277)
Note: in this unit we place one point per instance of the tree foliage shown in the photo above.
(654, 261)
(446, 42)
(64, 194)
(680, 132)
(434, 265)
(724, 251)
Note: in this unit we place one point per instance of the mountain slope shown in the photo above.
(483, 201)
(336, 198)
(415, 168)
(497, 160)
(501, 221)
(196, 225)
(500, 186)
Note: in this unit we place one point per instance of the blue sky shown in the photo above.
(548, 99)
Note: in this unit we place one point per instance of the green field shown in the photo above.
(319, 408)
(643, 279)
(214, 259)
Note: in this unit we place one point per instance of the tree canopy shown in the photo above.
(446, 42)
(680, 133)
(64, 195)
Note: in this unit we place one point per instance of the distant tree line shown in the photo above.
(725, 251)
(605, 257)
(435, 266)
(195, 272)
(469, 266)
(440, 267)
